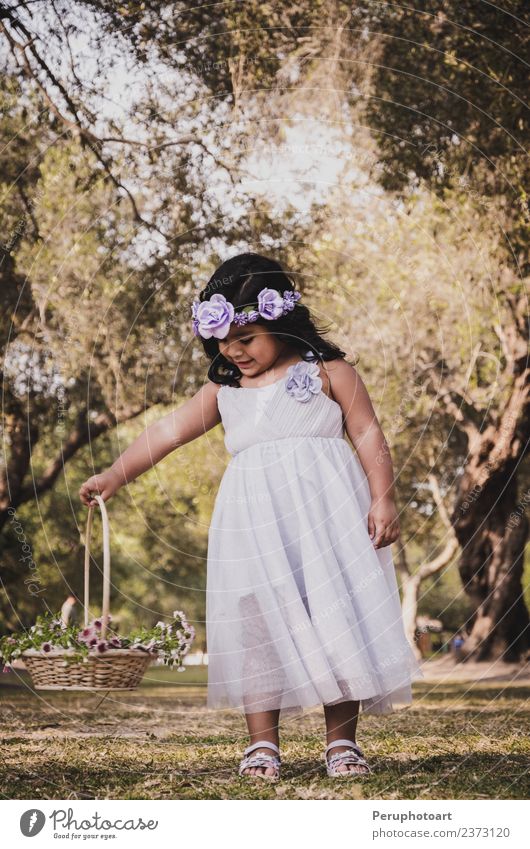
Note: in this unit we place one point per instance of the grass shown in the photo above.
(456, 741)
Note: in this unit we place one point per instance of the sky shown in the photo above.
(312, 158)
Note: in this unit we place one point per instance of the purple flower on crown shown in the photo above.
(213, 317)
(303, 381)
(290, 299)
(240, 318)
(270, 303)
(244, 317)
(195, 323)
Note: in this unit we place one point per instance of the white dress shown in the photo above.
(301, 609)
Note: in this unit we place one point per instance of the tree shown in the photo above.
(113, 214)
(411, 582)
(450, 104)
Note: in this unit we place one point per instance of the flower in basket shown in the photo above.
(168, 642)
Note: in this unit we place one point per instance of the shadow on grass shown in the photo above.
(456, 741)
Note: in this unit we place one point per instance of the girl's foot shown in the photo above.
(347, 756)
(262, 759)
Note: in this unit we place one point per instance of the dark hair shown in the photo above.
(240, 279)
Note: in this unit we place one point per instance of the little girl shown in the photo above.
(302, 604)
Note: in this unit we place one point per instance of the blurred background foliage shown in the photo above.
(377, 151)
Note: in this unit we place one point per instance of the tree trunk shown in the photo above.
(492, 530)
(488, 519)
(411, 583)
(410, 586)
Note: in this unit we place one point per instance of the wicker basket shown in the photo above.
(117, 669)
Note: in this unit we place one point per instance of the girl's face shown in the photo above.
(252, 348)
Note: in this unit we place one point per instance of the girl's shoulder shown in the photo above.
(336, 375)
(350, 392)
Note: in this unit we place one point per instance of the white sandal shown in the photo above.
(261, 759)
(355, 757)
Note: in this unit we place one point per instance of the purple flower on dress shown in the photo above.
(303, 381)
(213, 317)
(270, 304)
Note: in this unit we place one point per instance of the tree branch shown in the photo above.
(86, 137)
(438, 563)
(81, 435)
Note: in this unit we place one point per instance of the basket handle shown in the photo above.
(106, 563)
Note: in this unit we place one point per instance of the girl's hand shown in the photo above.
(105, 484)
(383, 522)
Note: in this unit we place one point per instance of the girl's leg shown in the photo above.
(263, 726)
(341, 724)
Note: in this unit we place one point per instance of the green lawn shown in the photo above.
(456, 741)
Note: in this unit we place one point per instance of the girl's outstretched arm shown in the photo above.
(193, 418)
(365, 432)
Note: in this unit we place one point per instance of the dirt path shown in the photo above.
(445, 669)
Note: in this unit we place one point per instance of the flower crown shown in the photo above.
(213, 317)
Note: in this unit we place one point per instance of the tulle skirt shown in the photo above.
(301, 609)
